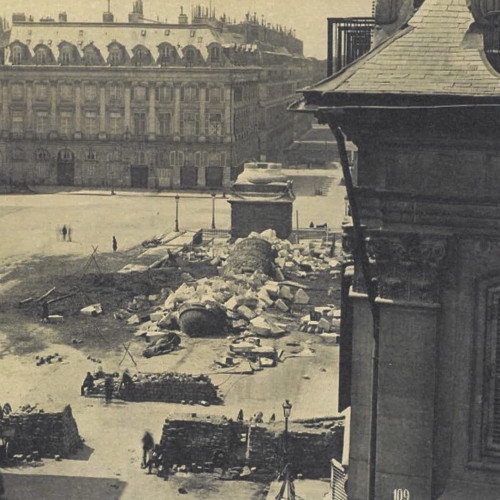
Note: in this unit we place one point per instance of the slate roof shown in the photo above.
(129, 35)
(436, 54)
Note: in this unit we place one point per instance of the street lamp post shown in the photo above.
(177, 197)
(287, 488)
(213, 210)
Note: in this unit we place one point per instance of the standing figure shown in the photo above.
(127, 381)
(64, 232)
(45, 312)
(147, 447)
(88, 383)
(108, 388)
(69, 233)
(115, 244)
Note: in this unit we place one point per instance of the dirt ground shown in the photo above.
(108, 466)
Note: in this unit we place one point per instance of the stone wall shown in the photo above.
(202, 443)
(48, 433)
(171, 388)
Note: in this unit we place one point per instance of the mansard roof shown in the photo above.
(439, 54)
(129, 35)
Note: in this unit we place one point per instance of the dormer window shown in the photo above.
(43, 55)
(92, 56)
(116, 54)
(215, 53)
(142, 56)
(17, 54)
(166, 54)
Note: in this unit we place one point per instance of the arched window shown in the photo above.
(142, 56)
(91, 154)
(43, 55)
(17, 53)
(116, 54)
(92, 56)
(167, 54)
(191, 55)
(66, 54)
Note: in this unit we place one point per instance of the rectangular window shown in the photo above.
(164, 124)
(17, 91)
(115, 93)
(163, 94)
(214, 95)
(90, 92)
(66, 92)
(190, 94)
(42, 123)
(115, 124)
(41, 91)
(190, 124)
(139, 93)
(91, 123)
(139, 123)
(215, 125)
(18, 123)
(173, 161)
(66, 123)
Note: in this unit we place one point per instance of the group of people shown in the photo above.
(88, 384)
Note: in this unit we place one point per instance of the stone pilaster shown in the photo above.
(102, 112)
(152, 113)
(201, 179)
(177, 113)
(29, 107)
(53, 109)
(127, 96)
(203, 105)
(78, 109)
(228, 118)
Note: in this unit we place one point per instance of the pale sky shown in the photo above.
(307, 17)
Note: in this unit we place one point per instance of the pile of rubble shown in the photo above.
(321, 320)
(253, 303)
(50, 358)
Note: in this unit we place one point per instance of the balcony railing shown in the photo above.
(348, 39)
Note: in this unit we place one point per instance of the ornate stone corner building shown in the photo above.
(423, 108)
(146, 104)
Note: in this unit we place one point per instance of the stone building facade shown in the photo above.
(422, 108)
(144, 104)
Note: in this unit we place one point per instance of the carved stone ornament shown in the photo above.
(407, 267)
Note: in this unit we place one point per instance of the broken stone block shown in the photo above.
(278, 274)
(246, 312)
(324, 325)
(92, 310)
(156, 316)
(272, 288)
(264, 297)
(232, 304)
(301, 297)
(285, 293)
(281, 305)
(260, 326)
(280, 261)
(269, 234)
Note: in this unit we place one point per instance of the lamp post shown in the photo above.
(177, 197)
(213, 210)
(287, 488)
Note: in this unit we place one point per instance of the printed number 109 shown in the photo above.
(400, 494)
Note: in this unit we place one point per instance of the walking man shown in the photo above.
(64, 232)
(115, 244)
(147, 447)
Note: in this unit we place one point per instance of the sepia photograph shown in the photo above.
(250, 250)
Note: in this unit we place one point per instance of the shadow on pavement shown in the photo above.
(24, 486)
(84, 453)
